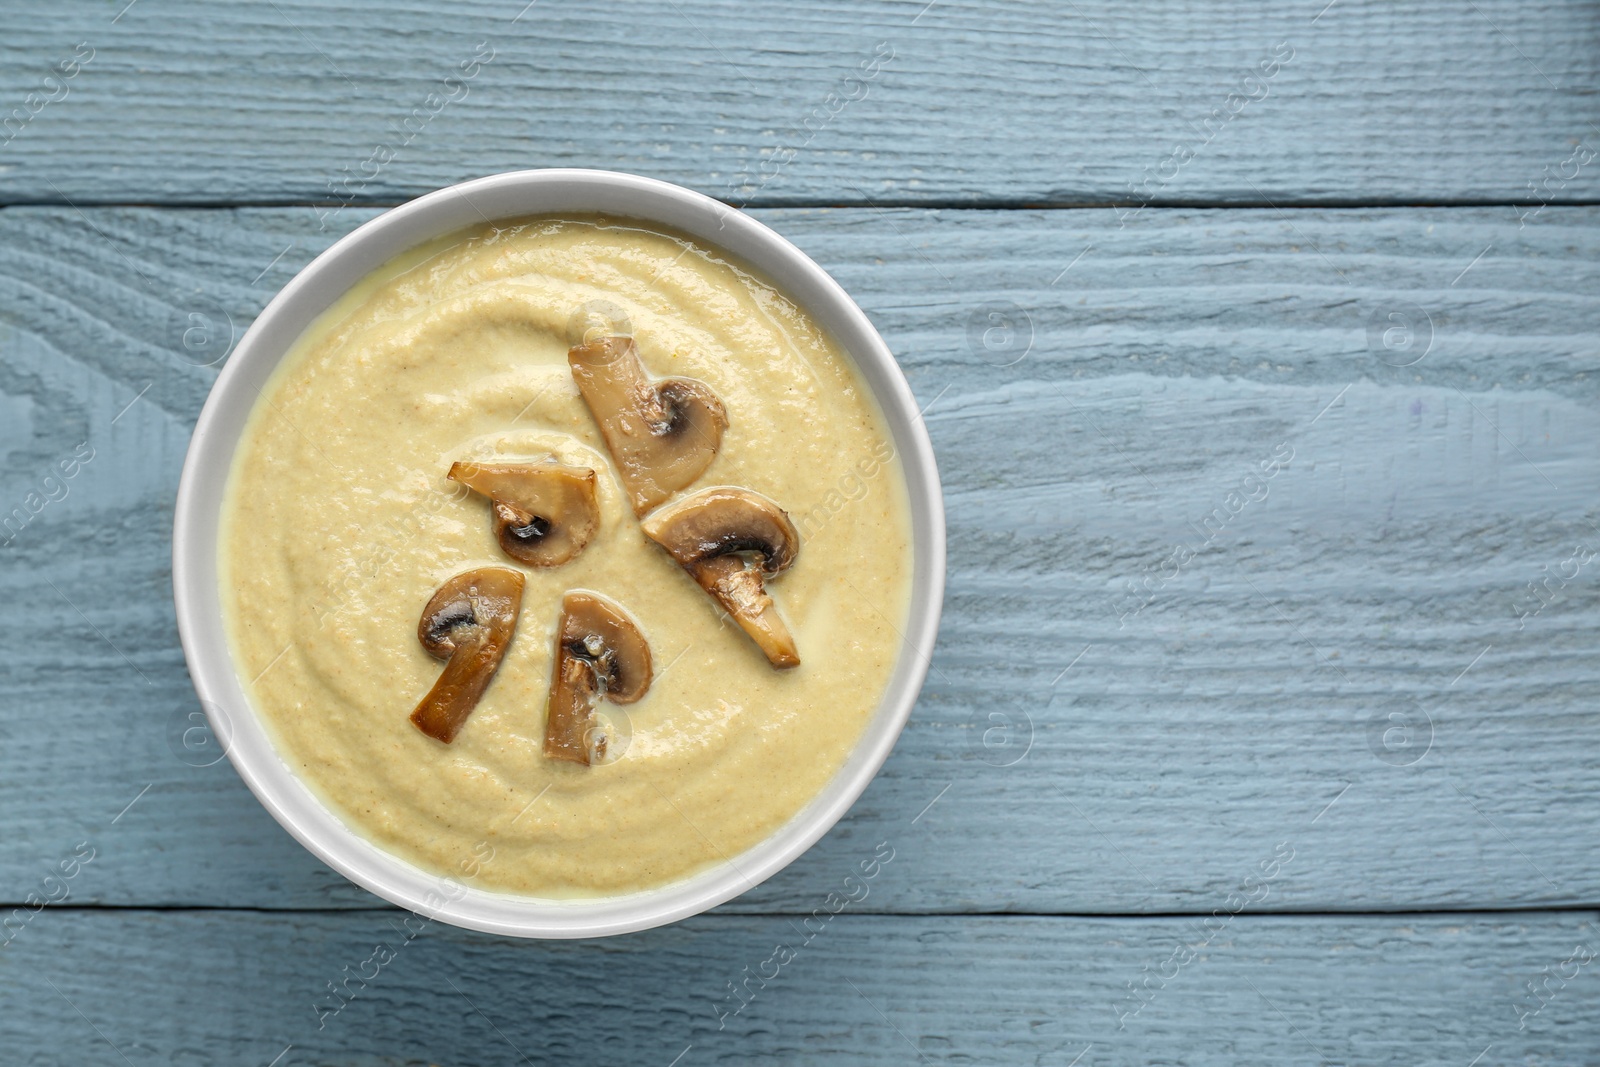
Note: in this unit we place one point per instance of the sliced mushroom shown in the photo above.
(469, 622)
(544, 513)
(662, 434)
(600, 652)
(730, 540)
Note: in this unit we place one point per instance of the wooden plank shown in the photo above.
(894, 100)
(1341, 667)
(245, 988)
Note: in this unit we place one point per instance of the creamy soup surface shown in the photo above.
(339, 524)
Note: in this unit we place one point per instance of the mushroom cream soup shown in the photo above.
(567, 558)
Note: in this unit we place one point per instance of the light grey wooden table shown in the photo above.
(1259, 354)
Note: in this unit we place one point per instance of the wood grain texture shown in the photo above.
(185, 101)
(238, 987)
(1340, 667)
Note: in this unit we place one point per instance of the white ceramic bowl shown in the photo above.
(216, 435)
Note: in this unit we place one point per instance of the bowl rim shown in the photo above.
(219, 428)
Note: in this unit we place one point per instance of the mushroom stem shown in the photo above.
(736, 585)
(573, 694)
(469, 623)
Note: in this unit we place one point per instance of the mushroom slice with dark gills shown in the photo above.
(544, 513)
(600, 652)
(468, 623)
(730, 540)
(662, 433)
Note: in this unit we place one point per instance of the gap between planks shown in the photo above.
(714, 914)
(776, 203)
